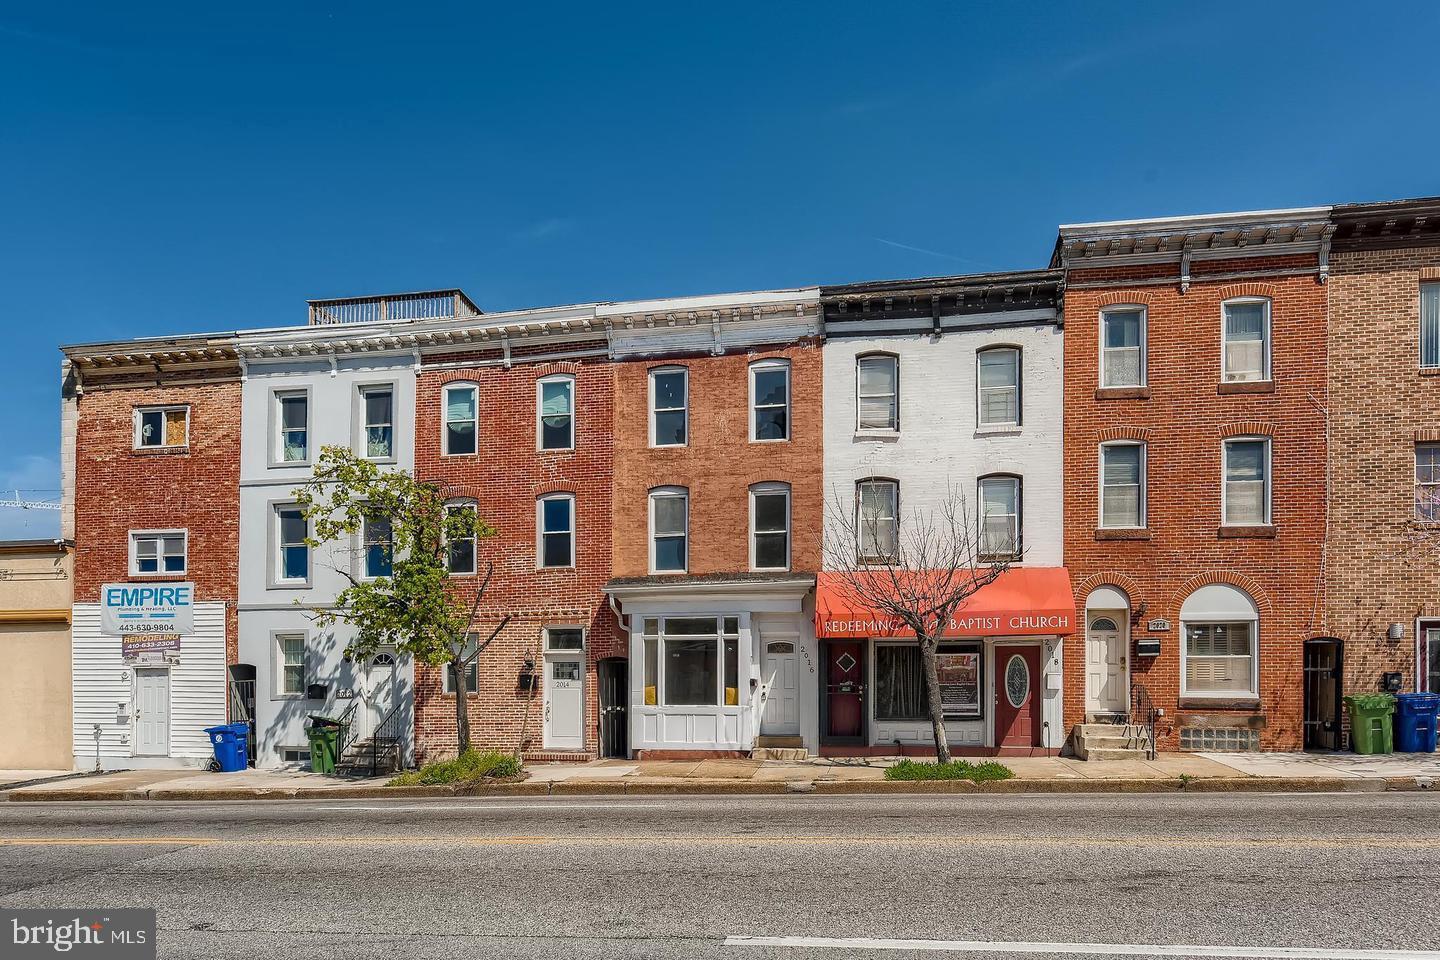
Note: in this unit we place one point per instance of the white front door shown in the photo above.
(381, 684)
(152, 712)
(779, 674)
(1106, 640)
(564, 702)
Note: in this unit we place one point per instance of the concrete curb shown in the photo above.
(695, 787)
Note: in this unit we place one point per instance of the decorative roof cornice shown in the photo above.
(1015, 296)
(1260, 233)
(1380, 226)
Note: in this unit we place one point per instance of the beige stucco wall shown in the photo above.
(36, 587)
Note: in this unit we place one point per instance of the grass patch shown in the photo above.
(470, 766)
(954, 770)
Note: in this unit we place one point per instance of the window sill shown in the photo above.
(998, 430)
(159, 575)
(888, 435)
(1122, 393)
(287, 585)
(1122, 533)
(1010, 558)
(1192, 702)
(161, 451)
(1245, 386)
(1263, 531)
(554, 450)
(1428, 371)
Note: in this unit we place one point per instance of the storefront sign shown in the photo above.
(147, 609)
(134, 645)
(959, 674)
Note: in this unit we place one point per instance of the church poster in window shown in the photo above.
(959, 671)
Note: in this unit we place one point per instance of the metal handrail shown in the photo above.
(390, 730)
(1143, 714)
(347, 729)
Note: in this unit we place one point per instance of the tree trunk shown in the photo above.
(928, 646)
(462, 706)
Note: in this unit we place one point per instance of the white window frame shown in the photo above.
(1018, 483)
(860, 557)
(158, 535)
(659, 493)
(362, 422)
(1433, 487)
(770, 489)
(1253, 693)
(1144, 517)
(1265, 342)
(277, 424)
(163, 410)
(980, 420)
(565, 378)
(684, 373)
(277, 549)
(364, 571)
(541, 532)
(277, 645)
(464, 504)
(445, 421)
(769, 365)
(447, 685)
(1144, 312)
(894, 360)
(566, 651)
(661, 639)
(1224, 484)
(1426, 287)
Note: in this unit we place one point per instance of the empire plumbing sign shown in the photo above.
(147, 616)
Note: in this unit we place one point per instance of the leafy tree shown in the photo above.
(416, 607)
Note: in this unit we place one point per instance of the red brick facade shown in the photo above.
(1182, 415)
(195, 487)
(505, 477)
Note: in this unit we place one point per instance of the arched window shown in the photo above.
(1219, 626)
(997, 387)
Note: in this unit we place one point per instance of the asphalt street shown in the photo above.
(998, 876)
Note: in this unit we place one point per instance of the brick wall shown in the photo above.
(719, 463)
(195, 488)
(1184, 419)
(1382, 566)
(505, 477)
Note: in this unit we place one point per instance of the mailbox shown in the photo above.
(1147, 647)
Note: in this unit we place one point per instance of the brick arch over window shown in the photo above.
(460, 491)
(1108, 578)
(1137, 434)
(1113, 298)
(1230, 577)
(570, 367)
(1247, 428)
(544, 488)
(1230, 291)
(461, 375)
(1427, 435)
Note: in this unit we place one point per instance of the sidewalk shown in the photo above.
(1168, 773)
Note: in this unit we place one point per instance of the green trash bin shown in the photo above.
(324, 743)
(1371, 722)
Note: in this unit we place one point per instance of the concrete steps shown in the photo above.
(357, 758)
(1110, 741)
(779, 748)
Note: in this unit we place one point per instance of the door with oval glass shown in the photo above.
(1017, 695)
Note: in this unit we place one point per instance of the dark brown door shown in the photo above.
(845, 690)
(1017, 696)
(1322, 694)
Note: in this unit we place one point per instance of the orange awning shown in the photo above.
(1021, 602)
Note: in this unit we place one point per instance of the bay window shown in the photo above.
(1122, 347)
(1247, 482)
(1246, 337)
(691, 661)
(1122, 485)
(997, 377)
(877, 392)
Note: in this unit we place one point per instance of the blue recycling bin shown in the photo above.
(1415, 722)
(229, 742)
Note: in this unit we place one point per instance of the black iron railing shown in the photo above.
(348, 733)
(1142, 715)
(386, 737)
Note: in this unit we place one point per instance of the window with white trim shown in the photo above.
(1220, 656)
(1427, 482)
(669, 529)
(162, 426)
(1430, 325)
(447, 675)
(669, 407)
(770, 400)
(1122, 485)
(377, 547)
(1429, 635)
(460, 551)
(292, 552)
(555, 520)
(377, 429)
(292, 426)
(563, 639)
(1000, 504)
(461, 402)
(877, 519)
(770, 526)
(877, 392)
(997, 386)
(1122, 351)
(1247, 482)
(158, 551)
(555, 412)
(1246, 339)
(691, 661)
(290, 665)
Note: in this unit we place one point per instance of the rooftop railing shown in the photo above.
(425, 305)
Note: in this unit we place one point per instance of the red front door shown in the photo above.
(845, 690)
(1017, 695)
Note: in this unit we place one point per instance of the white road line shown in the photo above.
(1086, 949)
(505, 806)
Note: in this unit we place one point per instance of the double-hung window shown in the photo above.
(1122, 347)
(471, 670)
(377, 407)
(669, 529)
(378, 547)
(1122, 485)
(877, 392)
(997, 378)
(1427, 482)
(292, 422)
(1000, 517)
(290, 654)
(157, 551)
(555, 412)
(462, 419)
(1247, 482)
(691, 661)
(162, 427)
(1246, 350)
(555, 515)
(770, 400)
(669, 407)
(1430, 325)
(460, 549)
(770, 526)
(877, 519)
(292, 553)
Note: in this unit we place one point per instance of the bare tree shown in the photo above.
(918, 567)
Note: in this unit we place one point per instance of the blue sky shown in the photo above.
(184, 167)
